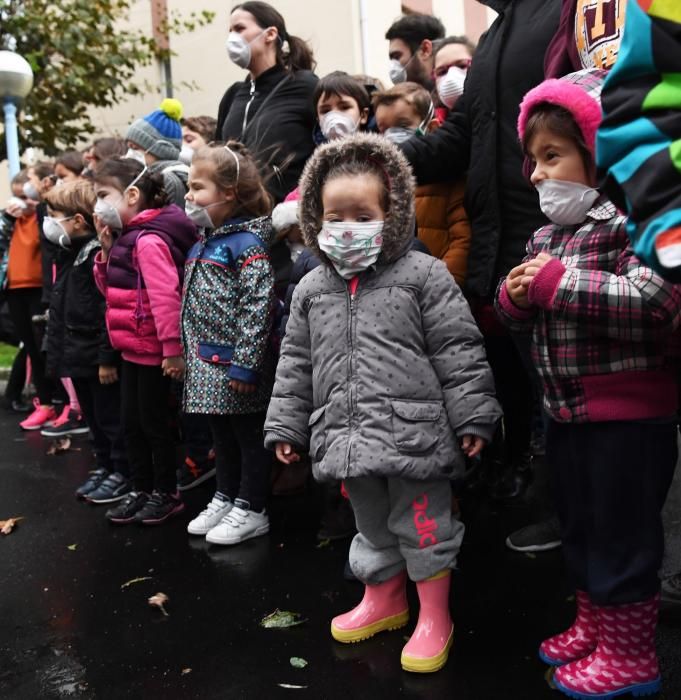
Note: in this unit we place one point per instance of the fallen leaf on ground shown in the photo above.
(58, 446)
(281, 618)
(6, 526)
(298, 662)
(185, 671)
(288, 686)
(158, 601)
(324, 543)
(133, 581)
(548, 677)
(72, 547)
(530, 555)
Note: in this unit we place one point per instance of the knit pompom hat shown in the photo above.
(160, 132)
(579, 93)
(285, 214)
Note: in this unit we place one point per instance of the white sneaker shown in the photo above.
(239, 525)
(207, 519)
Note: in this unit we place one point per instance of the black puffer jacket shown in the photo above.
(77, 340)
(480, 136)
(280, 135)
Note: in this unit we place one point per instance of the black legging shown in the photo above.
(146, 424)
(23, 305)
(242, 463)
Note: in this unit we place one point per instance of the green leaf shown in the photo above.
(72, 547)
(282, 618)
(297, 662)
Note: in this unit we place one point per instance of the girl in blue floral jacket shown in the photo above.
(227, 314)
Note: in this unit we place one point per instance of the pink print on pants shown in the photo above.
(425, 526)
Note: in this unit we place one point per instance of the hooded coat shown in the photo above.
(227, 315)
(383, 381)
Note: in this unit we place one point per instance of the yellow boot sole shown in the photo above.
(416, 664)
(393, 622)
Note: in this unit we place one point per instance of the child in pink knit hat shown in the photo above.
(602, 325)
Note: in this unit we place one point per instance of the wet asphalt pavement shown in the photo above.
(70, 629)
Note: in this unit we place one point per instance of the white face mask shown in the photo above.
(397, 72)
(186, 154)
(239, 50)
(55, 232)
(351, 246)
(399, 134)
(136, 155)
(199, 215)
(565, 203)
(336, 125)
(31, 191)
(108, 213)
(450, 86)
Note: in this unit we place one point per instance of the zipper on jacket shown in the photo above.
(251, 96)
(351, 399)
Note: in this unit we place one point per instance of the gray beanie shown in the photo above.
(160, 132)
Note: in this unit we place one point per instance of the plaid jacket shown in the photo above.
(603, 323)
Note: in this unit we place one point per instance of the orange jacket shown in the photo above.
(443, 224)
(24, 267)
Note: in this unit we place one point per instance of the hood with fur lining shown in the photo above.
(398, 228)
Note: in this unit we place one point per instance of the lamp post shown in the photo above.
(16, 81)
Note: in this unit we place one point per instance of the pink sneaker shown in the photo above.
(384, 607)
(62, 418)
(624, 661)
(428, 649)
(40, 416)
(576, 642)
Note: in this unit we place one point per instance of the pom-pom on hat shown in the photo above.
(285, 214)
(579, 93)
(160, 132)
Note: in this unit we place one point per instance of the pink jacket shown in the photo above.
(142, 280)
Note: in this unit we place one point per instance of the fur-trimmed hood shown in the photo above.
(398, 229)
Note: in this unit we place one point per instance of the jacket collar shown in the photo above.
(496, 5)
(602, 210)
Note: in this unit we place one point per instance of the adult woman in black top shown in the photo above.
(271, 110)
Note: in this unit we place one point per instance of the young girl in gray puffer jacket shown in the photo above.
(383, 378)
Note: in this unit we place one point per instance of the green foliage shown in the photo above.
(81, 58)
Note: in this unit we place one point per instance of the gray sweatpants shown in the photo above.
(402, 522)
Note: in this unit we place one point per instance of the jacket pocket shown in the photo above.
(317, 426)
(216, 354)
(416, 425)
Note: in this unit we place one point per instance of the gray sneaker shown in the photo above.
(539, 537)
(114, 488)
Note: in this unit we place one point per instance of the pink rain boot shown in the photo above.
(428, 648)
(384, 607)
(625, 660)
(576, 642)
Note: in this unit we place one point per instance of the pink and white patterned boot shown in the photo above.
(383, 607)
(577, 641)
(625, 660)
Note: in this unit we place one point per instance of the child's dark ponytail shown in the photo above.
(293, 52)
(121, 172)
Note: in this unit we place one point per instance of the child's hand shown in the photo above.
(173, 367)
(242, 387)
(285, 453)
(105, 237)
(533, 267)
(472, 445)
(14, 209)
(515, 288)
(108, 374)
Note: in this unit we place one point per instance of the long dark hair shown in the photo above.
(292, 51)
(120, 172)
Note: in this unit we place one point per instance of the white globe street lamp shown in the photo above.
(16, 81)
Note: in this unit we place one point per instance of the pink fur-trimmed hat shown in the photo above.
(286, 213)
(579, 93)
